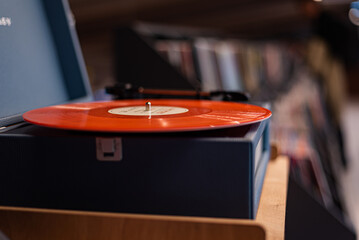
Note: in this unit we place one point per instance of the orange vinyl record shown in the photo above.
(147, 116)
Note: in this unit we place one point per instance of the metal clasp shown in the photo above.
(108, 149)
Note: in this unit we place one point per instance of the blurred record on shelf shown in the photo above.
(208, 66)
(226, 55)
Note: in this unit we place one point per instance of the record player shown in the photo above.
(217, 172)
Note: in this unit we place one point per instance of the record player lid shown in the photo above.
(40, 59)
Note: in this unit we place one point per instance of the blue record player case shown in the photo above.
(217, 173)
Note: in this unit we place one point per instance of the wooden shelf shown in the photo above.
(26, 223)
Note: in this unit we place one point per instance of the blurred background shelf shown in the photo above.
(245, 17)
(294, 20)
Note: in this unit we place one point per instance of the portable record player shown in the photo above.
(210, 171)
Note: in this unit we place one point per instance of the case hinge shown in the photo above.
(108, 149)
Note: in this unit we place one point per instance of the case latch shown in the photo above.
(108, 149)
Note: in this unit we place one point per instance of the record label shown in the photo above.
(154, 111)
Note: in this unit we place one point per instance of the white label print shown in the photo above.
(141, 111)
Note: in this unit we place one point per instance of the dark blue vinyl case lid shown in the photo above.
(40, 59)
